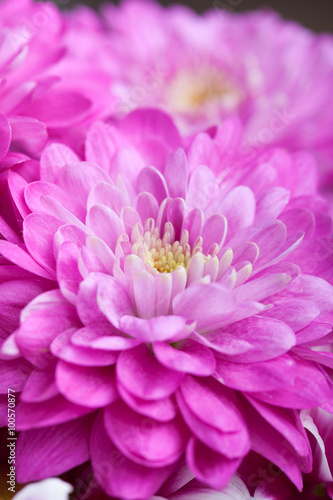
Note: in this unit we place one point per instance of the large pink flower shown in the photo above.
(160, 307)
(45, 91)
(275, 74)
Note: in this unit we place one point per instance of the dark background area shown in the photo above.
(315, 14)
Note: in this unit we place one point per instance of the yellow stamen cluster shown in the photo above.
(167, 259)
(164, 255)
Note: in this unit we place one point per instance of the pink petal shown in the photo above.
(119, 476)
(267, 375)
(19, 256)
(142, 375)
(150, 180)
(40, 328)
(40, 386)
(28, 134)
(87, 307)
(309, 389)
(50, 111)
(268, 337)
(38, 231)
(144, 288)
(35, 191)
(155, 445)
(266, 441)
(176, 175)
(232, 444)
(208, 305)
(210, 467)
(260, 288)
(78, 179)
(189, 357)
(41, 455)
(239, 208)
(56, 411)
(113, 300)
(287, 422)
(147, 206)
(53, 158)
(87, 386)
(162, 410)
(193, 223)
(155, 329)
(214, 231)
(17, 185)
(100, 217)
(5, 134)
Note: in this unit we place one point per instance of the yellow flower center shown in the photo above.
(164, 255)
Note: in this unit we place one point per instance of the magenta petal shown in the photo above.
(295, 312)
(19, 256)
(17, 186)
(53, 158)
(239, 208)
(5, 137)
(176, 174)
(208, 305)
(143, 124)
(147, 207)
(50, 111)
(78, 179)
(28, 134)
(40, 328)
(152, 181)
(87, 386)
(13, 374)
(214, 231)
(154, 445)
(266, 441)
(162, 410)
(188, 357)
(155, 329)
(86, 336)
(142, 375)
(213, 403)
(68, 274)
(87, 307)
(35, 191)
(232, 444)
(260, 288)
(119, 476)
(40, 386)
(100, 217)
(193, 223)
(78, 354)
(113, 300)
(56, 411)
(257, 377)
(40, 454)
(309, 389)
(209, 466)
(100, 145)
(268, 337)
(144, 289)
(287, 422)
(38, 231)
(312, 333)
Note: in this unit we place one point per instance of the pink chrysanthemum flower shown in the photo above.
(45, 90)
(160, 307)
(275, 74)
